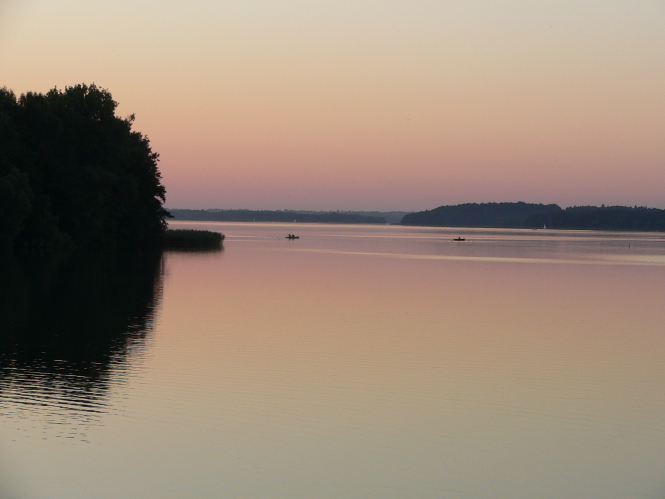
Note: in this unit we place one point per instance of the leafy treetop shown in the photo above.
(71, 171)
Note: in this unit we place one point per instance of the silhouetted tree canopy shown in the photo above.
(479, 215)
(523, 215)
(71, 171)
(276, 216)
(602, 218)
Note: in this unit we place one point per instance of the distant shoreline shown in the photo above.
(518, 215)
(522, 215)
(341, 217)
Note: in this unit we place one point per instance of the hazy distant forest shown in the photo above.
(479, 215)
(526, 215)
(338, 217)
(73, 173)
(500, 215)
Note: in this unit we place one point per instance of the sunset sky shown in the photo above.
(368, 104)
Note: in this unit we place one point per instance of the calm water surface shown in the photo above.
(353, 362)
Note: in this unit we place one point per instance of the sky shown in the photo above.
(368, 104)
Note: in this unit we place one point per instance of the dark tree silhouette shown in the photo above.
(602, 218)
(478, 215)
(71, 171)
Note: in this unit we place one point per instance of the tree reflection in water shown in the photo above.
(71, 325)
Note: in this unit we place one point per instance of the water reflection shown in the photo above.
(355, 362)
(70, 324)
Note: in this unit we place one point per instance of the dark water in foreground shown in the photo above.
(353, 362)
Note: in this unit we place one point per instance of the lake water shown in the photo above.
(356, 361)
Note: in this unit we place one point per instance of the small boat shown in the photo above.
(292, 236)
(459, 239)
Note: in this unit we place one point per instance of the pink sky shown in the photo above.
(372, 104)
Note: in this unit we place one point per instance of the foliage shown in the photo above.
(479, 215)
(15, 205)
(192, 239)
(277, 216)
(72, 171)
(602, 218)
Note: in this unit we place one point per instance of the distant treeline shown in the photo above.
(601, 218)
(479, 215)
(525, 215)
(276, 216)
